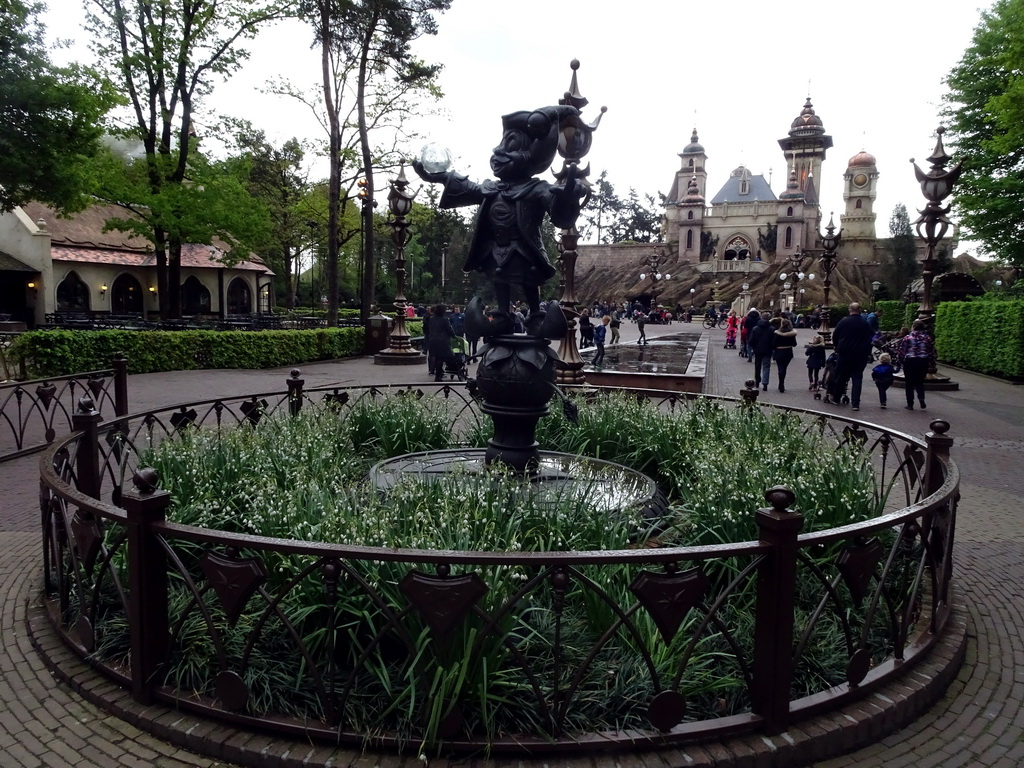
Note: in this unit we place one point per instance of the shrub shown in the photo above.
(60, 352)
(893, 313)
(983, 336)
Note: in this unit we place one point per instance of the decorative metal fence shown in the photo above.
(132, 592)
(33, 413)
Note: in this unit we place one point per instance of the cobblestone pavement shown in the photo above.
(980, 721)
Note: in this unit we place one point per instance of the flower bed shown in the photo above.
(458, 616)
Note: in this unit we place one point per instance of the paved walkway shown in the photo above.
(980, 721)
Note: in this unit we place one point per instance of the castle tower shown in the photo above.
(684, 205)
(792, 220)
(860, 186)
(691, 222)
(694, 159)
(805, 148)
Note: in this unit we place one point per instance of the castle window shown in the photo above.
(744, 187)
(689, 239)
(789, 236)
(689, 215)
(789, 211)
(859, 203)
(691, 162)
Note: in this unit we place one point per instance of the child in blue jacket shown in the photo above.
(883, 375)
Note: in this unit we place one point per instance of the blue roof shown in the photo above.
(757, 189)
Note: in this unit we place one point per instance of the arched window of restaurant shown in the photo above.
(239, 297)
(72, 293)
(195, 297)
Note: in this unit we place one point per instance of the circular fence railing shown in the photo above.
(132, 592)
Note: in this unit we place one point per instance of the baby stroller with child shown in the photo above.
(835, 390)
(730, 336)
(455, 366)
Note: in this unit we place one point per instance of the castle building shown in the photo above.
(745, 216)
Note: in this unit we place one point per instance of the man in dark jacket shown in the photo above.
(852, 341)
(762, 344)
(749, 323)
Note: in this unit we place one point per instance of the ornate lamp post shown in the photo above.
(932, 225)
(573, 145)
(399, 351)
(795, 276)
(653, 262)
(829, 242)
(875, 285)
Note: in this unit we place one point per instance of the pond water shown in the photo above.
(665, 354)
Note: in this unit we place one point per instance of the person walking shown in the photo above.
(784, 341)
(916, 352)
(852, 340)
(749, 323)
(761, 346)
(586, 330)
(600, 334)
(439, 334)
(614, 325)
(815, 352)
(641, 323)
(883, 375)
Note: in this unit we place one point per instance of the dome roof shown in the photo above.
(693, 194)
(792, 188)
(861, 159)
(694, 147)
(807, 122)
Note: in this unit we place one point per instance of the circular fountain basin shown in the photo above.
(560, 478)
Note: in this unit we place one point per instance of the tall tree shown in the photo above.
(370, 81)
(50, 117)
(638, 220)
(768, 241)
(985, 109)
(603, 208)
(902, 248)
(708, 244)
(275, 175)
(164, 56)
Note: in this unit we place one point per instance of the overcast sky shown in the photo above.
(739, 70)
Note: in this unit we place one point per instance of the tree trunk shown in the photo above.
(369, 285)
(334, 157)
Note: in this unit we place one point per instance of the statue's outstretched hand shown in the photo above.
(434, 178)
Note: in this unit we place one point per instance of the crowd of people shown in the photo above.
(770, 337)
(767, 339)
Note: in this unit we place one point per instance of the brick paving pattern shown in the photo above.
(979, 721)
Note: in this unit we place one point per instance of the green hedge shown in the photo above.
(58, 353)
(892, 315)
(983, 336)
(910, 314)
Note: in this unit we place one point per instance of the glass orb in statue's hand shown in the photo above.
(435, 158)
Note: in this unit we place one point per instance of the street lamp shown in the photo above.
(875, 285)
(653, 262)
(399, 351)
(829, 242)
(796, 275)
(575, 138)
(932, 225)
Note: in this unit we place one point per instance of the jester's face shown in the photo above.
(511, 159)
(528, 143)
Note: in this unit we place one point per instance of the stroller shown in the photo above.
(835, 390)
(455, 366)
(730, 337)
